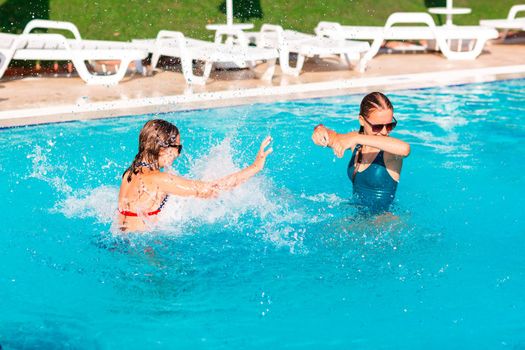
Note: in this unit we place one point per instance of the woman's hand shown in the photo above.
(260, 159)
(339, 143)
(210, 191)
(321, 136)
(344, 142)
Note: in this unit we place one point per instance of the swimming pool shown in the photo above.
(282, 261)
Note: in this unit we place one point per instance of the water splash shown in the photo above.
(44, 170)
(99, 203)
(256, 203)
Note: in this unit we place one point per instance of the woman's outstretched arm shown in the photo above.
(235, 179)
(339, 143)
(388, 144)
(180, 186)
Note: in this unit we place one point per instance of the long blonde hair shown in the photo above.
(155, 135)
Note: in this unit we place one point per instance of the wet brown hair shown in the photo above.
(155, 135)
(372, 102)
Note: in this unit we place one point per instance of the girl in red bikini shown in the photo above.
(144, 188)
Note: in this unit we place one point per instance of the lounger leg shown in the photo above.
(374, 49)
(346, 60)
(503, 35)
(5, 59)
(268, 73)
(249, 64)
(187, 69)
(121, 71)
(155, 59)
(207, 71)
(471, 44)
(92, 79)
(342, 58)
(284, 61)
(465, 55)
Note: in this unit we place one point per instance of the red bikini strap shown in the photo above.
(130, 213)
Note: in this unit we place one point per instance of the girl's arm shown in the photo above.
(235, 179)
(341, 142)
(180, 186)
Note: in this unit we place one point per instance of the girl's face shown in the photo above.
(377, 122)
(168, 154)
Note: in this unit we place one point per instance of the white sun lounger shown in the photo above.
(175, 44)
(305, 45)
(443, 35)
(511, 22)
(55, 47)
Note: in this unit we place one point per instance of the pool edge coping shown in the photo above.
(192, 101)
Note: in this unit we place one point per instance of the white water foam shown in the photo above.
(99, 203)
(331, 199)
(250, 197)
(256, 199)
(45, 171)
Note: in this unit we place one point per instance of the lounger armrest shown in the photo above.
(514, 11)
(328, 29)
(46, 24)
(266, 41)
(410, 17)
(232, 33)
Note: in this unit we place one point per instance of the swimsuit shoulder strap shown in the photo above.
(356, 158)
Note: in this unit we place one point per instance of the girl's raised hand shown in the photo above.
(260, 159)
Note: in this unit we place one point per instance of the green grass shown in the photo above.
(127, 19)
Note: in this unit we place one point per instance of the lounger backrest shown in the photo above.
(46, 24)
(514, 11)
(169, 39)
(232, 36)
(271, 36)
(165, 37)
(410, 18)
(329, 29)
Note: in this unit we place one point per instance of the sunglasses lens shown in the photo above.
(391, 126)
(376, 128)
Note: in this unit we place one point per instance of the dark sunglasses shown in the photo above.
(178, 147)
(378, 127)
(172, 143)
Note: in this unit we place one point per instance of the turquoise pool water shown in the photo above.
(283, 262)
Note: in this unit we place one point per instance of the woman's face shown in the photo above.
(168, 154)
(378, 117)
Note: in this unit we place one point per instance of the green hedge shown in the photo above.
(127, 19)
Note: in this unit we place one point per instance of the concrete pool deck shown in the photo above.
(53, 99)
